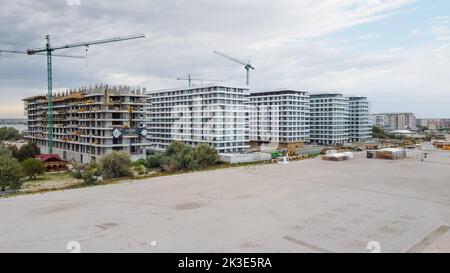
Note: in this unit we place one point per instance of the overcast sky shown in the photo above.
(396, 52)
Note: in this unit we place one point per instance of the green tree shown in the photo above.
(206, 156)
(115, 165)
(14, 150)
(32, 168)
(30, 150)
(378, 132)
(11, 173)
(9, 134)
(5, 150)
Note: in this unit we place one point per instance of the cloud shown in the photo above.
(437, 27)
(286, 40)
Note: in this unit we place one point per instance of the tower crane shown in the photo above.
(48, 50)
(190, 80)
(246, 65)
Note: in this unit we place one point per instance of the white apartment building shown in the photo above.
(395, 121)
(330, 119)
(210, 114)
(279, 117)
(360, 123)
(90, 122)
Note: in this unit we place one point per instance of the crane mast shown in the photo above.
(50, 123)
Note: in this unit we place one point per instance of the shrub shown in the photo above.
(89, 176)
(11, 173)
(115, 165)
(169, 164)
(32, 168)
(93, 165)
(154, 161)
(206, 156)
(77, 170)
(175, 148)
(141, 170)
(139, 162)
(182, 155)
(86, 172)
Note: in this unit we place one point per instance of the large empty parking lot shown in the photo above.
(305, 206)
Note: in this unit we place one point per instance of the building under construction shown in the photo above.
(90, 122)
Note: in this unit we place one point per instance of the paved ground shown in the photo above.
(308, 206)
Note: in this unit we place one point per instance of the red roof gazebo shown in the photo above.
(52, 162)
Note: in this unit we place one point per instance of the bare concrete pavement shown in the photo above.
(308, 206)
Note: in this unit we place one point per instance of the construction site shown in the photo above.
(90, 122)
(304, 206)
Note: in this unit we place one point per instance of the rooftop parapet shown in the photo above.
(93, 90)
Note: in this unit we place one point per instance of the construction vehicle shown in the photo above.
(292, 155)
(276, 155)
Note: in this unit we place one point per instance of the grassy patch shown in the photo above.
(56, 176)
(157, 173)
(49, 177)
(154, 173)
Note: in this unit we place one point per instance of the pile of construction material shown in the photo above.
(443, 145)
(333, 155)
(391, 154)
(245, 158)
(310, 150)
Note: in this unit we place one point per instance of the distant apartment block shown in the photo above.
(433, 124)
(90, 122)
(215, 115)
(360, 123)
(395, 121)
(279, 117)
(330, 119)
